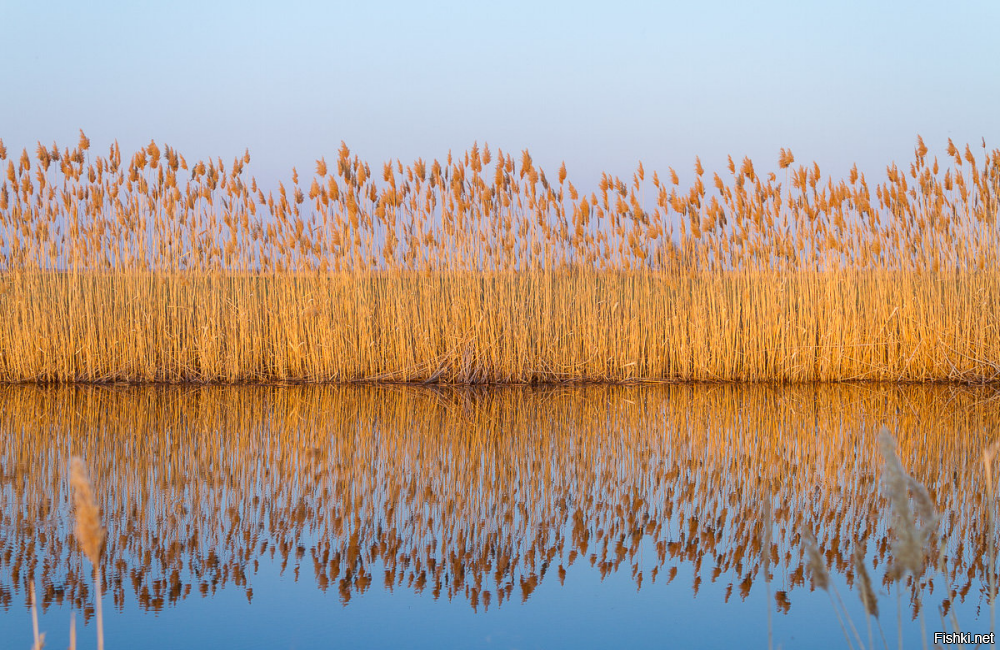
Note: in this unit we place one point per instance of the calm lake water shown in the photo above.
(396, 517)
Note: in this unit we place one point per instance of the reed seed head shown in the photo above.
(865, 590)
(816, 566)
(89, 533)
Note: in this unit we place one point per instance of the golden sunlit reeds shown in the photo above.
(148, 268)
(88, 531)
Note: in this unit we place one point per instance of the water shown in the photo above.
(317, 517)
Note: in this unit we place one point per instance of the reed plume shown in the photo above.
(89, 532)
(912, 543)
(865, 584)
(865, 590)
(911, 540)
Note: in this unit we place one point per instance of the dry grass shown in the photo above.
(89, 533)
(479, 269)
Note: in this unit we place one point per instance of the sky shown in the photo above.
(598, 85)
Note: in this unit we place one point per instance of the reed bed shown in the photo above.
(483, 496)
(482, 269)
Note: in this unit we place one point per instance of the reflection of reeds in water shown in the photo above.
(481, 495)
(916, 551)
(146, 268)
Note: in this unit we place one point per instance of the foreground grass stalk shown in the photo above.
(821, 578)
(866, 593)
(39, 638)
(768, 525)
(899, 615)
(988, 456)
(89, 533)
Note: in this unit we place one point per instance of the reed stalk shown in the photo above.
(89, 532)
(988, 457)
(38, 638)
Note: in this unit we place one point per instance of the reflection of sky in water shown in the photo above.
(586, 612)
(561, 430)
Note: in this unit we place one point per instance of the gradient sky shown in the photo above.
(597, 84)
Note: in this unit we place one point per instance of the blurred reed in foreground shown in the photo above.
(88, 531)
(154, 269)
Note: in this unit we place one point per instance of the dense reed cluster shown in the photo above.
(485, 496)
(481, 268)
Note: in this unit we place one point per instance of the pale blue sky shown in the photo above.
(598, 84)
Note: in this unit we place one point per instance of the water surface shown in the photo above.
(315, 517)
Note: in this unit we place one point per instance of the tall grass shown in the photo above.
(480, 268)
(89, 533)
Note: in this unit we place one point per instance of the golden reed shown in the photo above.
(89, 533)
(481, 269)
